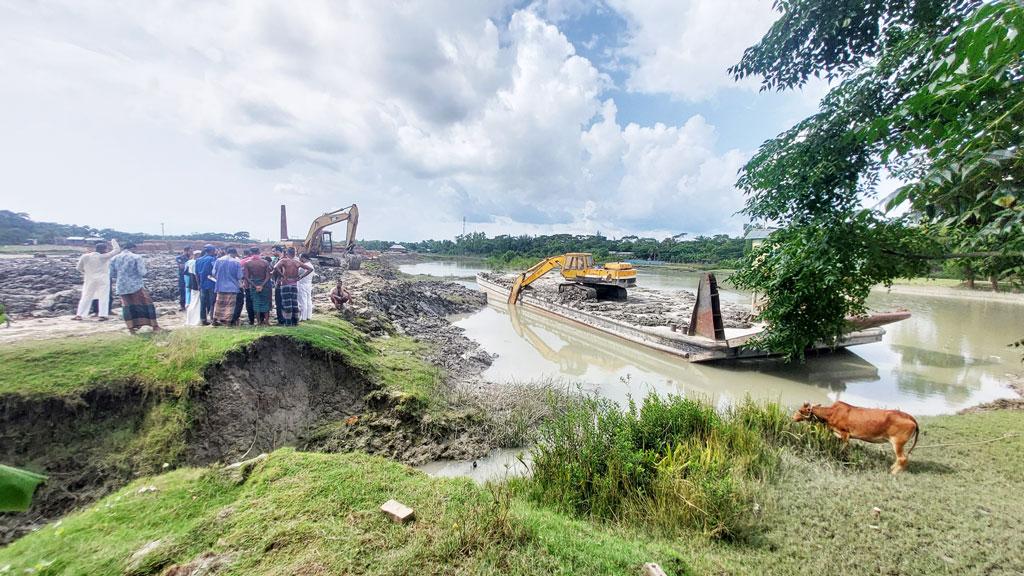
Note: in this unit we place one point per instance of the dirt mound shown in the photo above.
(271, 394)
(75, 442)
(276, 392)
(644, 307)
(51, 286)
(421, 308)
(431, 298)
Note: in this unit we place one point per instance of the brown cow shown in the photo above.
(867, 424)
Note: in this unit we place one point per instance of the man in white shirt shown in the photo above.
(306, 291)
(95, 267)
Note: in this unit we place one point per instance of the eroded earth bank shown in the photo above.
(407, 386)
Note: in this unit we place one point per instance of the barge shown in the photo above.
(704, 340)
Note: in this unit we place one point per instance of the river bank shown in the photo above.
(397, 379)
(307, 513)
(414, 387)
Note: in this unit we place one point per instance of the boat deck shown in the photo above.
(663, 338)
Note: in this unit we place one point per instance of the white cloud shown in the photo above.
(684, 47)
(421, 112)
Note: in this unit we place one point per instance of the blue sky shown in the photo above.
(523, 117)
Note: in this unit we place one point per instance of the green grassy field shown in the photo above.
(956, 511)
(172, 360)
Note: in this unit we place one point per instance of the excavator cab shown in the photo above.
(326, 243)
(319, 243)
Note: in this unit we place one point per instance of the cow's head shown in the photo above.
(805, 412)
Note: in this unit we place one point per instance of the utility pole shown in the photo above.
(463, 225)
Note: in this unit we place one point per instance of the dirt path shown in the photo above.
(35, 328)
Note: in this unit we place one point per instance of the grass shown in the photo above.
(956, 511)
(401, 369)
(167, 361)
(672, 464)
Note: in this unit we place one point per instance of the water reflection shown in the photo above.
(465, 269)
(949, 355)
(936, 362)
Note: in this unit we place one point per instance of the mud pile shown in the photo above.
(51, 286)
(421, 309)
(276, 392)
(644, 307)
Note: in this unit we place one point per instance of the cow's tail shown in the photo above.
(917, 430)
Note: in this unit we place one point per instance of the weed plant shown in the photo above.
(670, 464)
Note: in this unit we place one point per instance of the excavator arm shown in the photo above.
(536, 271)
(314, 238)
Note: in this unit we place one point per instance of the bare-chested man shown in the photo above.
(289, 271)
(256, 272)
(340, 296)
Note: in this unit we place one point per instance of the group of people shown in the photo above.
(129, 269)
(215, 285)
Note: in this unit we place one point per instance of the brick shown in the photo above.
(397, 511)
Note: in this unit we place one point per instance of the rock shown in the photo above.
(397, 511)
(652, 569)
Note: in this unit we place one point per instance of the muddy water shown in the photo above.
(951, 354)
(455, 268)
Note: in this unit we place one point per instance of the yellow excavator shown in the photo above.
(319, 244)
(604, 283)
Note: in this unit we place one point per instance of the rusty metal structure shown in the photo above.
(706, 319)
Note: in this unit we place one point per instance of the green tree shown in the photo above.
(930, 91)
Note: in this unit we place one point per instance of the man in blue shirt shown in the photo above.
(207, 284)
(228, 272)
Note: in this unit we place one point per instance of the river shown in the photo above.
(949, 355)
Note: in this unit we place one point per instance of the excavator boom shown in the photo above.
(314, 238)
(579, 269)
(318, 244)
(536, 271)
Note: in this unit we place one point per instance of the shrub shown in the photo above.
(672, 464)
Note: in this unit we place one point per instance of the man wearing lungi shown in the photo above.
(290, 271)
(228, 272)
(136, 305)
(256, 272)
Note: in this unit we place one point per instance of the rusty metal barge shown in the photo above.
(704, 339)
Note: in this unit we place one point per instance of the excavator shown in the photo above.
(603, 283)
(319, 243)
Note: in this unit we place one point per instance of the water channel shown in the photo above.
(951, 354)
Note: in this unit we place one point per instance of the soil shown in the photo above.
(269, 395)
(274, 393)
(386, 304)
(73, 441)
(32, 287)
(644, 306)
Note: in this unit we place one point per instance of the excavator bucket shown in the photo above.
(706, 319)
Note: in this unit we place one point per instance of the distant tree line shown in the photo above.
(18, 228)
(719, 249)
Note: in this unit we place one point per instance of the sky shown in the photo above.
(515, 117)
